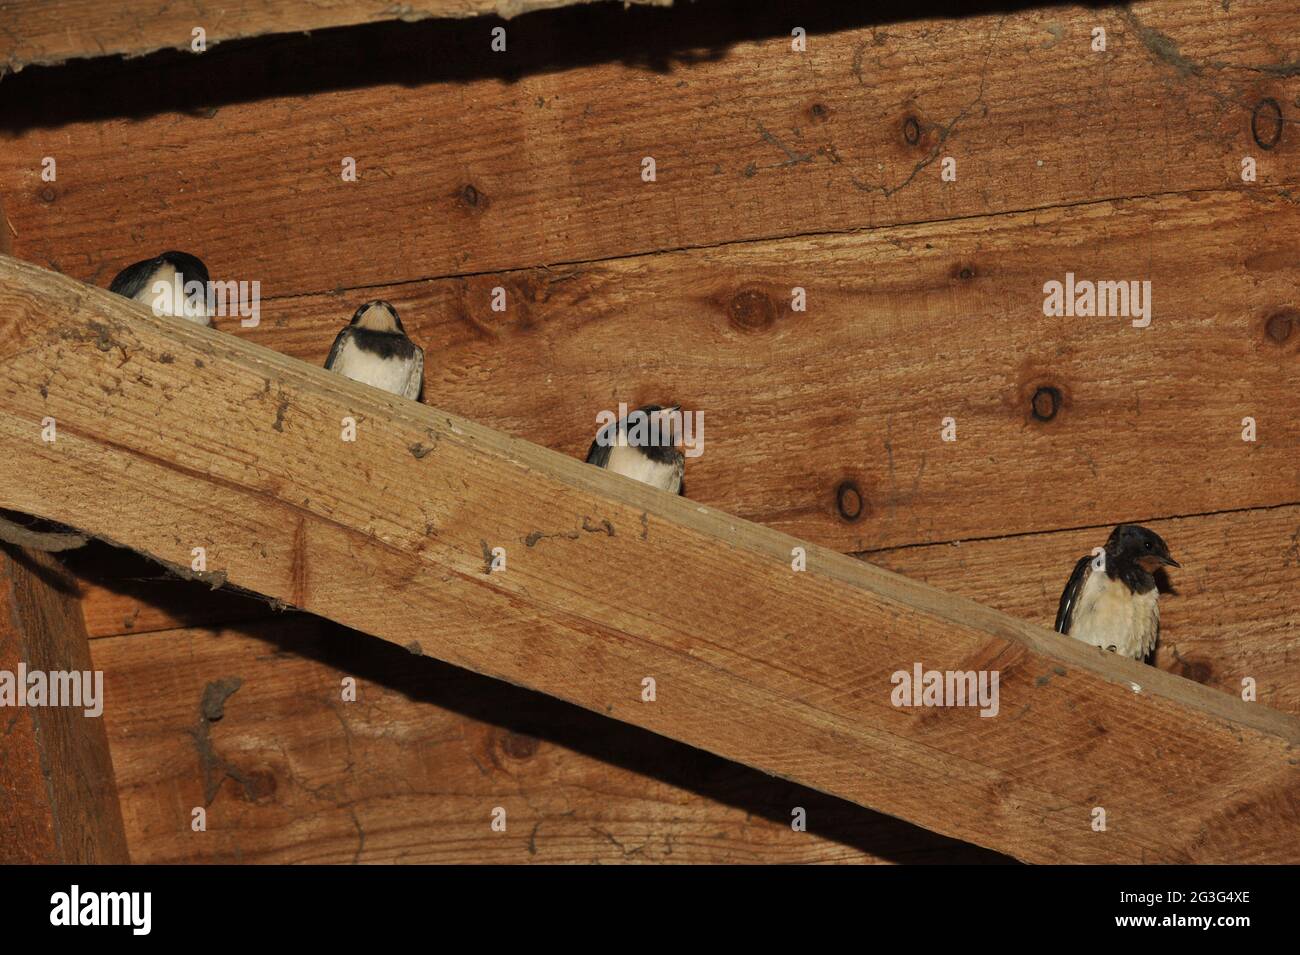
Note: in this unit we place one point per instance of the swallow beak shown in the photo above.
(667, 420)
(1169, 561)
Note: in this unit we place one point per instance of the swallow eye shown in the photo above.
(1147, 545)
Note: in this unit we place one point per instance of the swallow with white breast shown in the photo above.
(1111, 600)
(174, 270)
(643, 446)
(374, 350)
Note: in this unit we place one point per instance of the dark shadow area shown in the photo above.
(656, 39)
(185, 603)
(531, 714)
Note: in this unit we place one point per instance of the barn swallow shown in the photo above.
(374, 350)
(1111, 599)
(643, 446)
(138, 282)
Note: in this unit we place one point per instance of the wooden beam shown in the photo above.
(45, 32)
(173, 437)
(751, 140)
(1230, 616)
(412, 771)
(58, 798)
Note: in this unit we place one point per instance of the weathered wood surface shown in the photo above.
(174, 436)
(905, 326)
(412, 770)
(58, 798)
(43, 32)
(471, 161)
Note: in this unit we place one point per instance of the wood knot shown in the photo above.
(48, 194)
(964, 272)
(519, 745)
(751, 310)
(1198, 671)
(470, 198)
(819, 112)
(1278, 326)
(849, 502)
(1045, 403)
(912, 131)
(254, 786)
(1266, 123)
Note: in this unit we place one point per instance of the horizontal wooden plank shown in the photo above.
(905, 327)
(58, 798)
(471, 161)
(173, 436)
(44, 32)
(1230, 614)
(412, 771)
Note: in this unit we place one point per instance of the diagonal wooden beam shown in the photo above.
(171, 437)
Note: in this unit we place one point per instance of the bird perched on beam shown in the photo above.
(642, 446)
(174, 269)
(1111, 599)
(374, 350)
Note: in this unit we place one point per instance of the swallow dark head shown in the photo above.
(378, 316)
(653, 430)
(1133, 548)
(139, 277)
(662, 425)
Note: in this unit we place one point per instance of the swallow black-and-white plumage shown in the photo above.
(138, 282)
(647, 453)
(1111, 600)
(374, 349)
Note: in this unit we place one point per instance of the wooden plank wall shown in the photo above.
(775, 169)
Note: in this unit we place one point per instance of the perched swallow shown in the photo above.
(642, 446)
(1110, 601)
(138, 282)
(374, 350)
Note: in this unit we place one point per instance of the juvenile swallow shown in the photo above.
(374, 350)
(1111, 599)
(138, 282)
(643, 446)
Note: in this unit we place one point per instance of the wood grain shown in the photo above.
(58, 799)
(471, 161)
(1228, 614)
(905, 327)
(187, 435)
(44, 32)
(412, 770)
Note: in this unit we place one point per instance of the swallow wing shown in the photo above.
(339, 341)
(598, 454)
(416, 379)
(1070, 596)
(131, 281)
